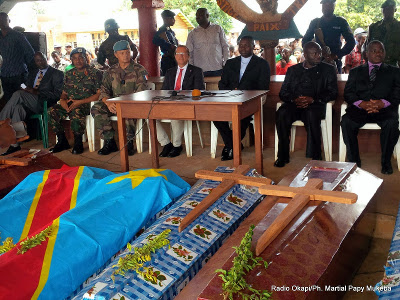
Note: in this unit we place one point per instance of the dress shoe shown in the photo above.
(387, 169)
(109, 146)
(166, 150)
(62, 143)
(131, 149)
(280, 163)
(227, 154)
(176, 151)
(11, 149)
(78, 145)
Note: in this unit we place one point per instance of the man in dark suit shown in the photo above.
(245, 72)
(182, 77)
(307, 88)
(44, 83)
(373, 94)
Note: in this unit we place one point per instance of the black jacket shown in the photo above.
(256, 76)
(325, 87)
(50, 87)
(193, 79)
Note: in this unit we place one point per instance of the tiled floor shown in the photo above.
(379, 221)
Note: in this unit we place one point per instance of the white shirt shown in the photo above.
(183, 75)
(244, 61)
(208, 47)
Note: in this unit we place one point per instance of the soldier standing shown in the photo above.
(387, 31)
(126, 77)
(81, 86)
(106, 48)
(166, 40)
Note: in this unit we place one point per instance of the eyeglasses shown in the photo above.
(181, 53)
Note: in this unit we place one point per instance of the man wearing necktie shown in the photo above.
(373, 94)
(244, 72)
(182, 77)
(43, 83)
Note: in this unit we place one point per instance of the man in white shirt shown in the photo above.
(207, 45)
(182, 77)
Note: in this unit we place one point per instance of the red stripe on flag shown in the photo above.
(20, 273)
(55, 199)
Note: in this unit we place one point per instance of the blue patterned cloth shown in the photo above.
(189, 250)
(389, 287)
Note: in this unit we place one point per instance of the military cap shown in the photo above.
(388, 3)
(327, 1)
(167, 14)
(121, 45)
(57, 46)
(110, 24)
(79, 50)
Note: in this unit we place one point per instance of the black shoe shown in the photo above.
(11, 149)
(109, 146)
(387, 169)
(166, 150)
(131, 149)
(176, 151)
(78, 145)
(227, 154)
(280, 163)
(62, 144)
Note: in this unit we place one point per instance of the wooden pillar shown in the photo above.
(149, 53)
(269, 53)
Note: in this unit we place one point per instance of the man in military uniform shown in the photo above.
(81, 86)
(327, 30)
(166, 40)
(388, 32)
(106, 48)
(126, 77)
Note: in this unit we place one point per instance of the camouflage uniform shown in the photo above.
(106, 50)
(387, 32)
(78, 86)
(117, 82)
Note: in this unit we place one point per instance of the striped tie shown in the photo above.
(372, 75)
(40, 77)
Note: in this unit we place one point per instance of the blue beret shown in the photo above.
(78, 50)
(121, 45)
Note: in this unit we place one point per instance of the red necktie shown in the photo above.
(178, 81)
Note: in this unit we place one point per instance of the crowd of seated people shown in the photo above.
(76, 78)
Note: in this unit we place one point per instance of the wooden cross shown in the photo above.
(300, 197)
(228, 180)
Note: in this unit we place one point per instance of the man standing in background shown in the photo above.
(207, 44)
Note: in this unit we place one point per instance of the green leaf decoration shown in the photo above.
(8, 244)
(234, 283)
(140, 256)
(36, 240)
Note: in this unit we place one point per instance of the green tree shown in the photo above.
(360, 13)
(189, 8)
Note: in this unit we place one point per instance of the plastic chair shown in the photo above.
(326, 130)
(214, 130)
(371, 126)
(43, 125)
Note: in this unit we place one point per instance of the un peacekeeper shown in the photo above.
(81, 86)
(333, 27)
(126, 77)
(106, 48)
(166, 40)
(387, 31)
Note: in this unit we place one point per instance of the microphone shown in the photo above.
(198, 93)
(207, 93)
(174, 93)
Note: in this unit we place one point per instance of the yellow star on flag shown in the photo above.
(138, 176)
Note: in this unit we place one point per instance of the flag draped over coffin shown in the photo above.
(93, 213)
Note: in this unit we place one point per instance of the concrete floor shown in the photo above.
(378, 221)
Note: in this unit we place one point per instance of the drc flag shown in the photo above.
(74, 220)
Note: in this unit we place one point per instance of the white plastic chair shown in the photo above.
(138, 130)
(372, 126)
(89, 137)
(214, 130)
(326, 130)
